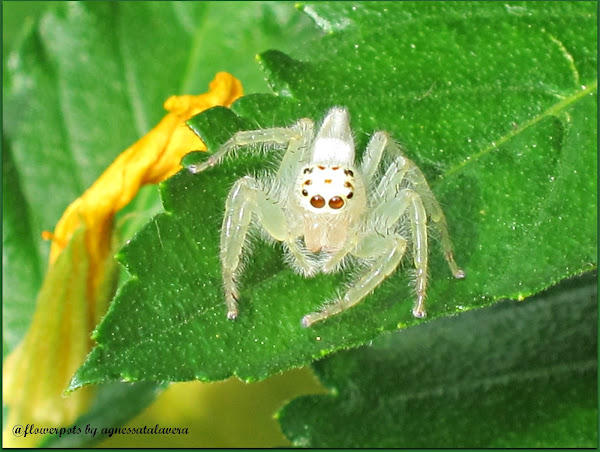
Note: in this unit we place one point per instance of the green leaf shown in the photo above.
(509, 147)
(517, 375)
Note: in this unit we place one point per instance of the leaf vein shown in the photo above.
(569, 57)
(553, 110)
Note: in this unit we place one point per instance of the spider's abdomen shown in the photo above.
(333, 143)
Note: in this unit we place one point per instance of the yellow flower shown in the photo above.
(81, 273)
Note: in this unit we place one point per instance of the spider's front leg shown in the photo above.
(246, 200)
(276, 137)
(383, 254)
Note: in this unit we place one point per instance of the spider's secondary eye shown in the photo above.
(336, 202)
(304, 193)
(317, 201)
(350, 195)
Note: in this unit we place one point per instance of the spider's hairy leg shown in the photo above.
(418, 225)
(403, 169)
(276, 138)
(409, 202)
(373, 154)
(390, 212)
(298, 150)
(246, 200)
(384, 254)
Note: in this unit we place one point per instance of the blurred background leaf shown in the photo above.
(517, 375)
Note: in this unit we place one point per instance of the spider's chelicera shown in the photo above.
(325, 208)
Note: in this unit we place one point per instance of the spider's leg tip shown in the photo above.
(460, 274)
(419, 313)
(232, 315)
(199, 167)
(306, 321)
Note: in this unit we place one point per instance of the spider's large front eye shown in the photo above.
(317, 201)
(336, 202)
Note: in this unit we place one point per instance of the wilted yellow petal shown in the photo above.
(153, 158)
(74, 296)
(41, 366)
(150, 160)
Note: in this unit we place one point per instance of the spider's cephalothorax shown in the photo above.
(323, 207)
(331, 199)
(326, 188)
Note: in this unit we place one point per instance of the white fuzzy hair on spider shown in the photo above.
(326, 208)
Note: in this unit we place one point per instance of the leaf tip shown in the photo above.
(74, 384)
